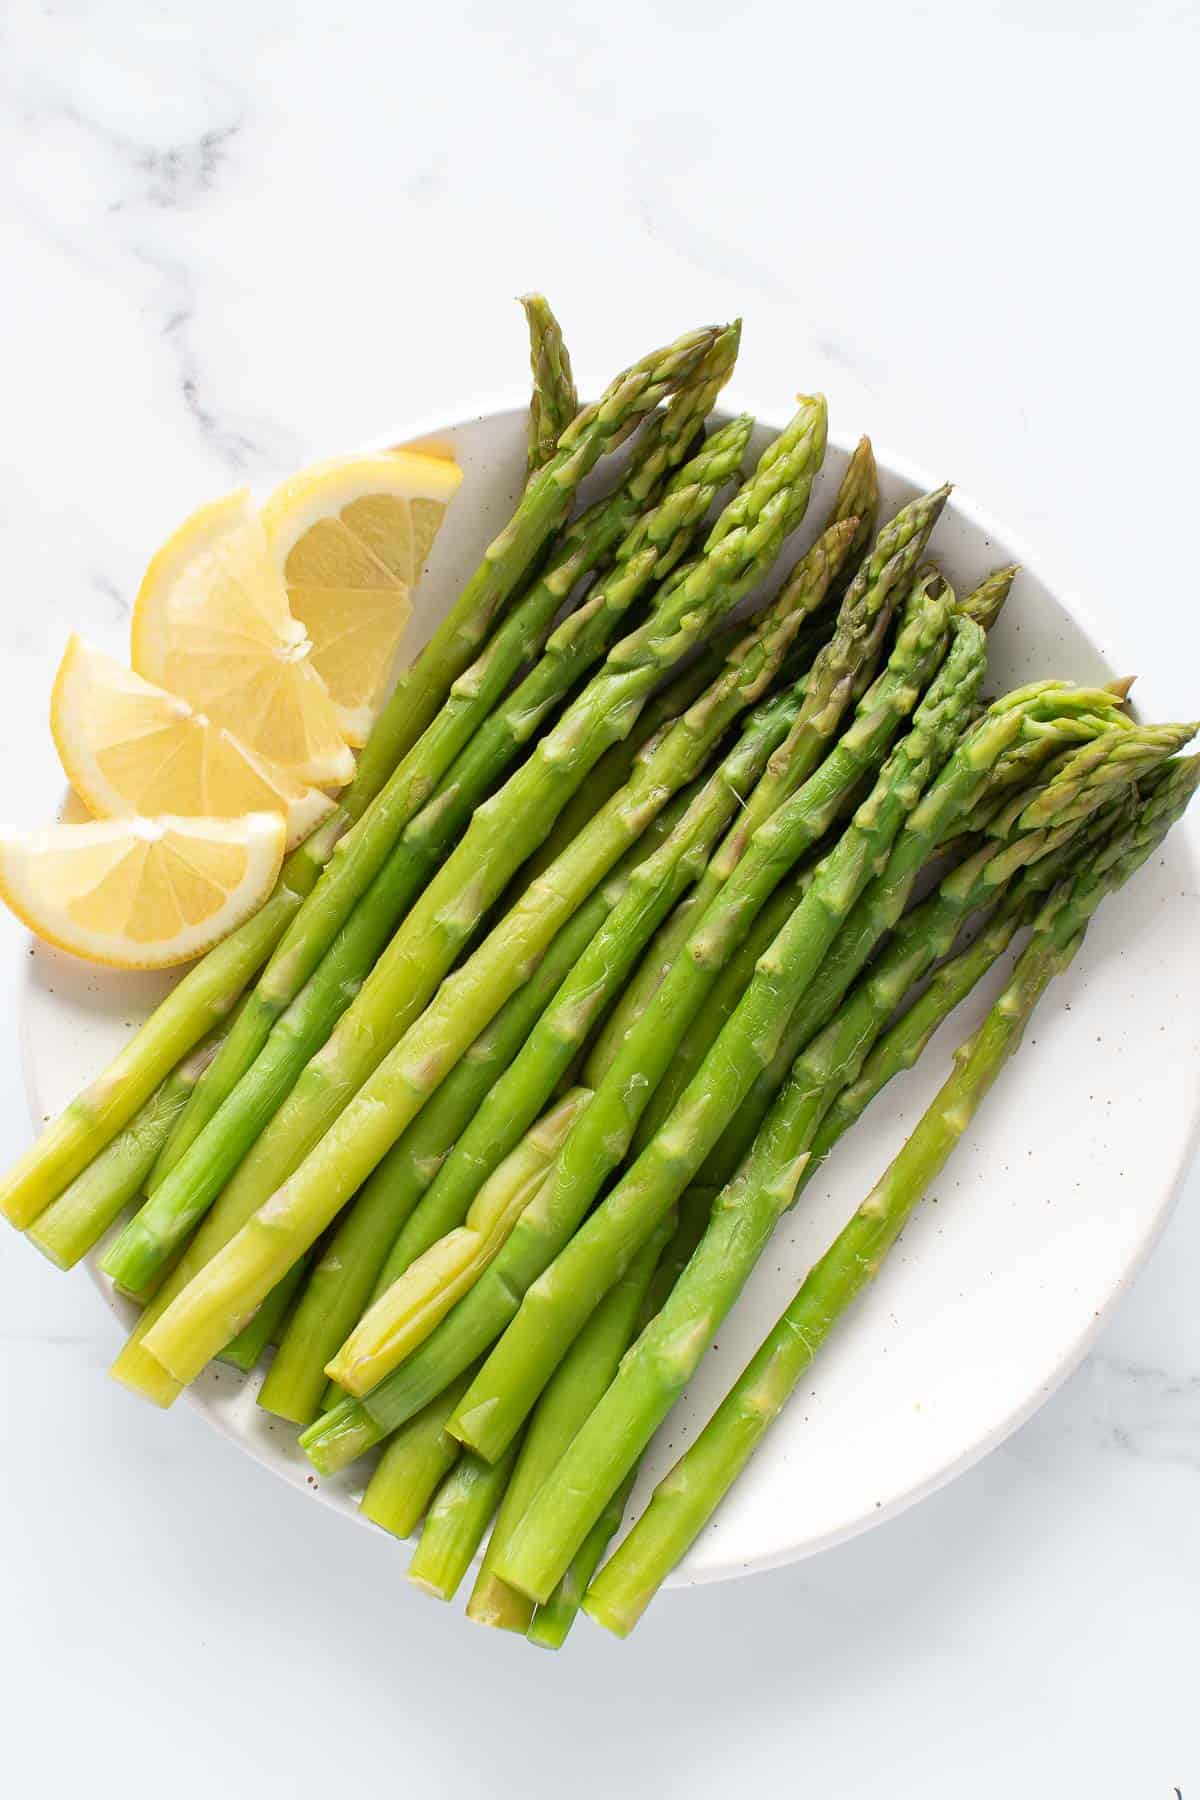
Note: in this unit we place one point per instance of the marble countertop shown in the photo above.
(237, 237)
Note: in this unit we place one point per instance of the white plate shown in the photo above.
(1000, 1282)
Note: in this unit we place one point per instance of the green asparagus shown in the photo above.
(412, 1467)
(222, 1144)
(474, 738)
(226, 1292)
(598, 1144)
(408, 1310)
(208, 992)
(566, 1289)
(546, 1056)
(379, 1236)
(69, 1227)
(552, 1622)
(580, 1381)
(691, 1492)
(839, 676)
(554, 401)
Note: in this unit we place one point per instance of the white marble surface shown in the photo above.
(238, 236)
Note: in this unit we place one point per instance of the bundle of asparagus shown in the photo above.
(487, 1116)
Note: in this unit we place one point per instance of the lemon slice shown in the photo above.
(211, 623)
(129, 747)
(141, 893)
(351, 538)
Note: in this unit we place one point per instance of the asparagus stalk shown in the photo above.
(379, 1237)
(543, 507)
(71, 1225)
(554, 1042)
(552, 1622)
(223, 1295)
(412, 1466)
(474, 737)
(599, 1142)
(566, 1276)
(689, 1495)
(407, 1312)
(598, 1145)
(838, 678)
(744, 1218)
(516, 1098)
(431, 1049)
(670, 703)
(455, 1524)
(857, 498)
(731, 984)
(1086, 783)
(554, 401)
(617, 764)
(580, 1380)
(190, 1187)
(985, 603)
(207, 993)
(898, 1048)
(244, 1350)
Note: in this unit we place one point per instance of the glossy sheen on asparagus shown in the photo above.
(333, 989)
(840, 675)
(387, 1224)
(561, 1298)
(430, 1049)
(690, 1493)
(598, 976)
(228, 1289)
(474, 738)
(208, 992)
(554, 401)
(599, 1142)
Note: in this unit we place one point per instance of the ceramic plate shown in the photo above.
(1007, 1272)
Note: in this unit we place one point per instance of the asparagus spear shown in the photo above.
(598, 1144)
(544, 1059)
(189, 1188)
(430, 1049)
(731, 984)
(657, 1369)
(839, 675)
(554, 401)
(688, 1496)
(208, 992)
(226, 1292)
(374, 1243)
(68, 1228)
(857, 498)
(244, 1351)
(552, 1622)
(567, 1288)
(930, 930)
(412, 1467)
(474, 737)
(455, 1524)
(899, 1047)
(580, 1380)
(985, 603)
(407, 1312)
(580, 998)
(670, 703)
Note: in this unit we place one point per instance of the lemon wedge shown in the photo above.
(129, 747)
(350, 538)
(141, 893)
(211, 624)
